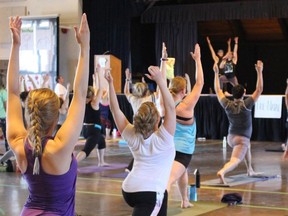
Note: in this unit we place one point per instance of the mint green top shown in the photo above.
(3, 99)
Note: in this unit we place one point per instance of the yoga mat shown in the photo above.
(199, 208)
(238, 180)
(121, 175)
(276, 149)
(95, 168)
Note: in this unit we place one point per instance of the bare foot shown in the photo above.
(103, 164)
(221, 177)
(186, 204)
(254, 174)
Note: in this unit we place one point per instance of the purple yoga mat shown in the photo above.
(121, 175)
(95, 168)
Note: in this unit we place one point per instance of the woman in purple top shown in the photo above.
(47, 164)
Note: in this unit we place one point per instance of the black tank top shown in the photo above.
(229, 69)
(92, 116)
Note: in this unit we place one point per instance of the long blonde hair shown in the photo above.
(41, 113)
(146, 118)
(177, 85)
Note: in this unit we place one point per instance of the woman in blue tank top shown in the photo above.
(46, 163)
(185, 133)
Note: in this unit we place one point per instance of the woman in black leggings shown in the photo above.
(92, 122)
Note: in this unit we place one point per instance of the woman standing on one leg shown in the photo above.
(240, 121)
(185, 133)
(92, 122)
(153, 150)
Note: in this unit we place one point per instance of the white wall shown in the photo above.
(70, 13)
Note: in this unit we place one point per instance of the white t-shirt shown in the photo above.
(136, 101)
(60, 90)
(153, 159)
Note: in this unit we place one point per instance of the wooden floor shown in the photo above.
(99, 192)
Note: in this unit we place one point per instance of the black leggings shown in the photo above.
(3, 127)
(93, 137)
(143, 203)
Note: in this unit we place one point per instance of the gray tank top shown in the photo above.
(239, 116)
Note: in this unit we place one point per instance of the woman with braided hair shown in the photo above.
(47, 163)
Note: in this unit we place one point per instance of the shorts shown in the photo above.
(183, 158)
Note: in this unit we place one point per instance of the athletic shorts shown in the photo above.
(183, 158)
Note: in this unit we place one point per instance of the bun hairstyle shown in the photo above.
(177, 85)
(41, 113)
(90, 92)
(146, 118)
(140, 89)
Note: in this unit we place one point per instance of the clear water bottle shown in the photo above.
(114, 133)
(224, 144)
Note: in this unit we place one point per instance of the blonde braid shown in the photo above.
(35, 135)
(42, 111)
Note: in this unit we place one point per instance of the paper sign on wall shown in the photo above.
(268, 106)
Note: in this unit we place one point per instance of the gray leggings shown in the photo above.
(240, 145)
(6, 156)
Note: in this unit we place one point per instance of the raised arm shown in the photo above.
(34, 86)
(217, 88)
(163, 69)
(168, 102)
(191, 99)
(127, 83)
(214, 56)
(69, 133)
(259, 84)
(46, 80)
(235, 51)
(22, 84)
(15, 125)
(118, 116)
(228, 48)
(99, 79)
(187, 78)
(64, 108)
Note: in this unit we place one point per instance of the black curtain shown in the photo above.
(109, 22)
(217, 11)
(180, 39)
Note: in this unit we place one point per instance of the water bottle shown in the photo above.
(224, 144)
(114, 133)
(193, 193)
(197, 178)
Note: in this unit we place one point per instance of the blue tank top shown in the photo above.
(185, 135)
(184, 138)
(55, 194)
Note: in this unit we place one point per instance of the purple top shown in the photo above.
(49, 194)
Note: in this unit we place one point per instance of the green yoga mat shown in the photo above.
(200, 207)
(237, 180)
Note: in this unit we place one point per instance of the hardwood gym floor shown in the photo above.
(99, 189)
